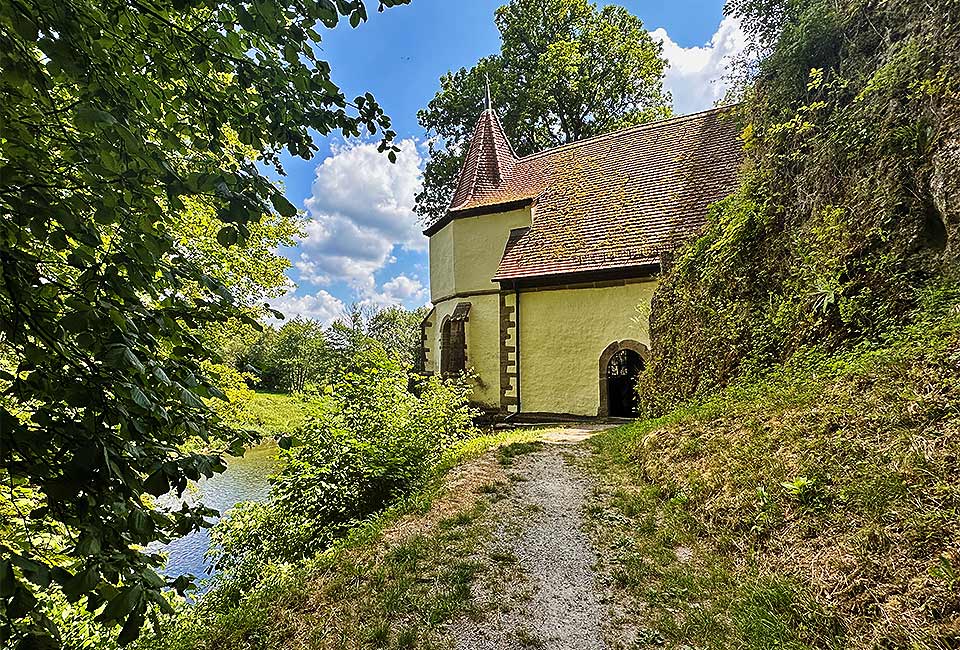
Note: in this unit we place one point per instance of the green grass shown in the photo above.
(813, 508)
(508, 453)
(275, 414)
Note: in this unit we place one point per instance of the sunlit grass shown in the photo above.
(766, 516)
(274, 414)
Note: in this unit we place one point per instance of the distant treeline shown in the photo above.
(300, 352)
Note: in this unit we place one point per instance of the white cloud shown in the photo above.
(695, 76)
(400, 290)
(320, 306)
(361, 207)
(406, 290)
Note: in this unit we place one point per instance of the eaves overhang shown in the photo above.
(493, 208)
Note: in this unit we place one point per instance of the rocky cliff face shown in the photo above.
(945, 182)
(849, 204)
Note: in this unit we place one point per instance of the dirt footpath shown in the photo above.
(545, 593)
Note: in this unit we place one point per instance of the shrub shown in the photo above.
(371, 441)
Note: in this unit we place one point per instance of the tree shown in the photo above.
(301, 354)
(396, 329)
(566, 70)
(119, 117)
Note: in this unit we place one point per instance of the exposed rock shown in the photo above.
(945, 185)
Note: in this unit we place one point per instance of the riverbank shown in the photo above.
(246, 478)
(399, 575)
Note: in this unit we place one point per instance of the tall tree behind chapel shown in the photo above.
(566, 70)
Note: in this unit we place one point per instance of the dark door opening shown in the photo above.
(622, 372)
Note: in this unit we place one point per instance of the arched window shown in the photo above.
(445, 346)
(452, 347)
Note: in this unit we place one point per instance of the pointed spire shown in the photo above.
(489, 105)
(490, 159)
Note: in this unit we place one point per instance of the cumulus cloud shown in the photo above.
(361, 207)
(695, 76)
(320, 306)
(404, 288)
(399, 290)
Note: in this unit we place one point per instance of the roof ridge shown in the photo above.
(628, 129)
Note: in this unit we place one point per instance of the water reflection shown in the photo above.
(245, 479)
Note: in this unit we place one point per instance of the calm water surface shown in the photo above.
(245, 479)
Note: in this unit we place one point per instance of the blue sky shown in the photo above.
(363, 242)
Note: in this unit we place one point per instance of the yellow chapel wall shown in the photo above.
(441, 264)
(483, 344)
(465, 253)
(464, 256)
(563, 332)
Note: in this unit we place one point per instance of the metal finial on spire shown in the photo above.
(489, 101)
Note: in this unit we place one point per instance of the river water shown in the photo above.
(245, 479)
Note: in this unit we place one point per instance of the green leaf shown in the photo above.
(81, 583)
(88, 545)
(228, 236)
(282, 205)
(139, 398)
(7, 579)
(130, 631)
(92, 115)
(157, 483)
(121, 605)
(22, 603)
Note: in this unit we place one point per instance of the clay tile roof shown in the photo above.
(613, 201)
(621, 199)
(490, 162)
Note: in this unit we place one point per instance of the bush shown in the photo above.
(371, 441)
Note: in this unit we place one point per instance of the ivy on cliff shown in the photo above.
(851, 123)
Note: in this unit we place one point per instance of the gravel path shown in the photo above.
(546, 595)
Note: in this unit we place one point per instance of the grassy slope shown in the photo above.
(819, 507)
(275, 413)
(392, 583)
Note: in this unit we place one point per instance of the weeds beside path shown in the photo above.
(497, 557)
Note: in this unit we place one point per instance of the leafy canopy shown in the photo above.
(566, 71)
(118, 119)
(301, 354)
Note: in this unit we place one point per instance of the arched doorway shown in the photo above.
(622, 373)
(620, 367)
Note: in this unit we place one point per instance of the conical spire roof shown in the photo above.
(490, 160)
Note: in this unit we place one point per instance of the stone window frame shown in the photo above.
(453, 356)
(628, 344)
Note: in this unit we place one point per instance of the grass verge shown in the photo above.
(274, 414)
(816, 508)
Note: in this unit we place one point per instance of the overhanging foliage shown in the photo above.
(116, 117)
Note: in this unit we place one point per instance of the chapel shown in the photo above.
(543, 269)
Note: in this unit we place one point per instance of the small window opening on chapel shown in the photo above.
(453, 341)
